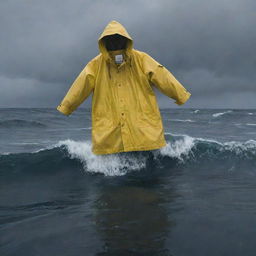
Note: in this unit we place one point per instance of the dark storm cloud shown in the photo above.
(208, 45)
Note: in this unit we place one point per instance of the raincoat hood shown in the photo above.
(113, 28)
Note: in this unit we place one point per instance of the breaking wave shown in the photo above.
(221, 113)
(180, 150)
(181, 120)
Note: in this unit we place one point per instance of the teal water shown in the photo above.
(196, 196)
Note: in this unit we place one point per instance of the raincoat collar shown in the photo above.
(112, 54)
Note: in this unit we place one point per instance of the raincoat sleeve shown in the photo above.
(79, 91)
(164, 80)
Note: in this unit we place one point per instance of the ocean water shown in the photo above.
(196, 196)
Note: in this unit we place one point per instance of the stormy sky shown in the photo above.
(209, 46)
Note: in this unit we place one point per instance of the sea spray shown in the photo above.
(110, 165)
(180, 149)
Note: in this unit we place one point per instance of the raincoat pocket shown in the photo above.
(102, 120)
(149, 119)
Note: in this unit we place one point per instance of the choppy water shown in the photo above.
(196, 196)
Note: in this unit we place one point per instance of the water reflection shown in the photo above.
(132, 220)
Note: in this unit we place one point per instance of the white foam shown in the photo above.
(120, 163)
(181, 120)
(179, 149)
(235, 146)
(110, 165)
(196, 111)
(221, 113)
(240, 147)
(251, 124)
(192, 138)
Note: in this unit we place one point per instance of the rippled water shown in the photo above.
(196, 196)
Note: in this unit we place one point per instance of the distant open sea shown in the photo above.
(194, 197)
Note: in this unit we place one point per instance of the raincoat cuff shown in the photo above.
(64, 110)
(184, 99)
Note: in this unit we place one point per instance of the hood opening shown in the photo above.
(115, 42)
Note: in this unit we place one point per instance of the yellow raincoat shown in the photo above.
(125, 113)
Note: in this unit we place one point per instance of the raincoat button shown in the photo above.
(119, 85)
(122, 114)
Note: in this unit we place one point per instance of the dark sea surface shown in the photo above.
(195, 197)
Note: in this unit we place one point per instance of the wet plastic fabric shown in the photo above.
(125, 113)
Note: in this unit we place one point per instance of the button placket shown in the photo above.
(121, 103)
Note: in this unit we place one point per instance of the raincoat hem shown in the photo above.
(103, 152)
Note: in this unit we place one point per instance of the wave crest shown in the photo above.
(222, 113)
(110, 165)
(180, 149)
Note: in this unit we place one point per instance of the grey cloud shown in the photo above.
(208, 46)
